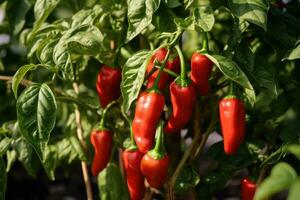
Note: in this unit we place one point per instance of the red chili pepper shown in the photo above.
(165, 79)
(232, 117)
(108, 84)
(201, 68)
(247, 189)
(155, 163)
(148, 110)
(102, 143)
(135, 179)
(183, 98)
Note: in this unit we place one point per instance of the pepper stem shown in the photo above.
(183, 73)
(232, 90)
(111, 104)
(204, 42)
(163, 65)
(158, 152)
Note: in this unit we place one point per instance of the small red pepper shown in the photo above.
(248, 188)
(201, 68)
(102, 143)
(149, 108)
(108, 84)
(165, 79)
(183, 98)
(135, 179)
(155, 163)
(232, 118)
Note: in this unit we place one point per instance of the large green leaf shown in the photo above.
(204, 17)
(294, 149)
(36, 112)
(231, 70)
(3, 179)
(133, 77)
(16, 11)
(281, 177)
(111, 184)
(253, 11)
(294, 53)
(139, 16)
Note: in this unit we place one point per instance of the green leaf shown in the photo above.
(231, 70)
(188, 178)
(172, 3)
(4, 145)
(42, 9)
(3, 179)
(36, 113)
(294, 192)
(16, 11)
(19, 75)
(204, 17)
(26, 155)
(133, 77)
(187, 3)
(294, 53)
(139, 16)
(281, 177)
(185, 23)
(294, 149)
(253, 11)
(78, 148)
(276, 155)
(111, 184)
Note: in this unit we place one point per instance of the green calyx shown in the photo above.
(182, 82)
(159, 150)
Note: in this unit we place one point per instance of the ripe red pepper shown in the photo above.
(148, 110)
(135, 179)
(247, 189)
(108, 84)
(165, 79)
(232, 118)
(201, 68)
(183, 98)
(155, 163)
(102, 143)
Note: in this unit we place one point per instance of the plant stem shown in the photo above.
(170, 72)
(183, 73)
(155, 85)
(204, 42)
(111, 104)
(84, 167)
(23, 82)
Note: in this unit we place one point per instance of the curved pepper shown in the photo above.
(183, 100)
(201, 68)
(108, 84)
(135, 178)
(165, 79)
(149, 108)
(232, 118)
(102, 143)
(247, 189)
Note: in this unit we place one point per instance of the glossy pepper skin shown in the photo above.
(247, 189)
(155, 170)
(183, 100)
(201, 68)
(134, 177)
(102, 143)
(108, 84)
(232, 118)
(165, 79)
(149, 108)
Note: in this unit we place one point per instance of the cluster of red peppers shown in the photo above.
(146, 156)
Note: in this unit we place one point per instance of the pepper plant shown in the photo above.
(164, 99)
